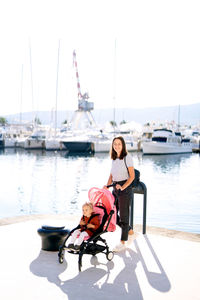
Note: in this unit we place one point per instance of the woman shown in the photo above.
(122, 174)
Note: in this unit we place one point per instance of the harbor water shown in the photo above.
(41, 182)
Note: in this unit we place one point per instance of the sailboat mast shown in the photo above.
(33, 119)
(179, 117)
(114, 85)
(20, 113)
(57, 87)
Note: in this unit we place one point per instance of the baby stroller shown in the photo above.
(104, 205)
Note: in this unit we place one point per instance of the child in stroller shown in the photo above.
(104, 208)
(87, 226)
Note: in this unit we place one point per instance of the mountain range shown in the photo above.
(186, 114)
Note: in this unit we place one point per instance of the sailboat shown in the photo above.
(37, 139)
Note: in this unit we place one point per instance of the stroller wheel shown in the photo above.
(61, 257)
(109, 255)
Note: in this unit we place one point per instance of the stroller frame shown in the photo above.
(91, 246)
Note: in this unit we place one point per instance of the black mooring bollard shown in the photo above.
(52, 237)
(140, 189)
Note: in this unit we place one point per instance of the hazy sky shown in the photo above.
(157, 53)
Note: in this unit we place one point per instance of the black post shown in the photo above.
(132, 212)
(144, 207)
(140, 189)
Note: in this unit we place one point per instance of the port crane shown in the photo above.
(83, 113)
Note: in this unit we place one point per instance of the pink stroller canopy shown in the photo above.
(103, 197)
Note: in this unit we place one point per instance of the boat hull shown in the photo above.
(79, 146)
(10, 143)
(165, 148)
(132, 146)
(1, 144)
(102, 147)
(54, 145)
(34, 144)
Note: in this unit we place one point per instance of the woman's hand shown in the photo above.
(105, 187)
(119, 187)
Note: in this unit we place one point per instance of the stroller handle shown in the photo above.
(112, 185)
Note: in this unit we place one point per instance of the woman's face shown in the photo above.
(117, 146)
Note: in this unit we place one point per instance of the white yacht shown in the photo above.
(15, 135)
(36, 140)
(165, 141)
(10, 141)
(11, 135)
(101, 142)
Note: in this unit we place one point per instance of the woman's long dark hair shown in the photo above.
(113, 153)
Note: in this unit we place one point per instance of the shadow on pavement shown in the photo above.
(103, 280)
(158, 281)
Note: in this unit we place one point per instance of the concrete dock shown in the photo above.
(163, 264)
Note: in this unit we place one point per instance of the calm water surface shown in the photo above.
(39, 182)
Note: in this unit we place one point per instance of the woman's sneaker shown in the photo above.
(119, 247)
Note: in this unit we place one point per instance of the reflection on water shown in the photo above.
(167, 162)
(38, 181)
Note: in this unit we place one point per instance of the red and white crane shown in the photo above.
(84, 106)
(77, 76)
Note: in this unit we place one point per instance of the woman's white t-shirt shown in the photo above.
(119, 170)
